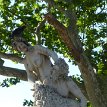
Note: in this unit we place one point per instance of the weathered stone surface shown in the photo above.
(46, 96)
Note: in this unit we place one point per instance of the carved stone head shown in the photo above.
(20, 44)
(17, 40)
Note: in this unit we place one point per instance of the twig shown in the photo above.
(37, 31)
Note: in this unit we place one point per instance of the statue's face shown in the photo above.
(20, 46)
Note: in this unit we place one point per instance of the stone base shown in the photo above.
(46, 96)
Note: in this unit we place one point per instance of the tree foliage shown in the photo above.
(10, 81)
(91, 22)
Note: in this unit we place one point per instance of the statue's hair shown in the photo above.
(63, 70)
(18, 39)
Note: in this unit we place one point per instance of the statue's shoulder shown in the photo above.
(38, 46)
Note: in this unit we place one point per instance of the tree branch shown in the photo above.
(72, 28)
(11, 57)
(13, 72)
(40, 25)
(64, 35)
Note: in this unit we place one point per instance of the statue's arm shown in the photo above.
(47, 52)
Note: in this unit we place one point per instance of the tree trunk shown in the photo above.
(91, 83)
(74, 45)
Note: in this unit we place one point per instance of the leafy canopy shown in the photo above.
(91, 22)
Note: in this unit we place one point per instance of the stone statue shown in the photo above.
(53, 79)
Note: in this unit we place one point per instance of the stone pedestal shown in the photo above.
(46, 96)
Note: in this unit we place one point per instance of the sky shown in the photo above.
(14, 96)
